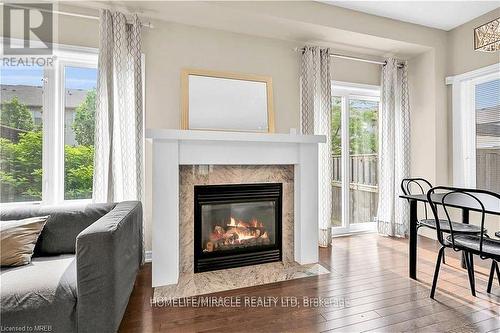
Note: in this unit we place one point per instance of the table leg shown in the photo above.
(413, 239)
(465, 219)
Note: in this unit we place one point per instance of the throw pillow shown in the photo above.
(18, 239)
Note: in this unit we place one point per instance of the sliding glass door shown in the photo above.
(355, 157)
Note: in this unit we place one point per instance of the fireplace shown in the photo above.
(236, 225)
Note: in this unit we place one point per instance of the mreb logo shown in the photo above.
(30, 22)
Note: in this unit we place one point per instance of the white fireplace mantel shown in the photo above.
(172, 148)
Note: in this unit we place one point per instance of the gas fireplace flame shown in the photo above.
(237, 233)
(254, 223)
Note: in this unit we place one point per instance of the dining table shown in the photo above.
(466, 204)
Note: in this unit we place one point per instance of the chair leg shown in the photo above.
(492, 275)
(498, 271)
(470, 272)
(444, 262)
(471, 260)
(436, 271)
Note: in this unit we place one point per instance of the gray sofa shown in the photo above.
(83, 270)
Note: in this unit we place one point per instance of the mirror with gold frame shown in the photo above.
(221, 101)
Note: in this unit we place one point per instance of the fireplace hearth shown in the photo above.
(237, 225)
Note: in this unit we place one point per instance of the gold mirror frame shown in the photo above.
(185, 73)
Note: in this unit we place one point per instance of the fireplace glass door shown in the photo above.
(237, 225)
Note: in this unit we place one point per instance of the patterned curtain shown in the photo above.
(316, 103)
(394, 149)
(118, 160)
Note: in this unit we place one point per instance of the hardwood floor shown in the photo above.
(368, 290)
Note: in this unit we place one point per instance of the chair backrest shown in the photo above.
(411, 186)
(454, 197)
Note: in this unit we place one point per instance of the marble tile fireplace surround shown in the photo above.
(183, 160)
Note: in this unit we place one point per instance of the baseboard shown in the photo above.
(149, 256)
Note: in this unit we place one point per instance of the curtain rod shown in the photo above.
(343, 56)
(91, 17)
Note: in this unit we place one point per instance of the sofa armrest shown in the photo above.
(108, 256)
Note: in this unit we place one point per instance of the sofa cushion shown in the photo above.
(62, 227)
(41, 293)
(18, 239)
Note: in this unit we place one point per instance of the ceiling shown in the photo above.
(444, 15)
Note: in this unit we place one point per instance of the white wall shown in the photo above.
(355, 71)
(422, 119)
(171, 47)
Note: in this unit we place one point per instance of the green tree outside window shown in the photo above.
(363, 133)
(21, 158)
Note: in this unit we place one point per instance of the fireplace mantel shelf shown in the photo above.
(187, 135)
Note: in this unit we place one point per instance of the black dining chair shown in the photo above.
(412, 186)
(479, 244)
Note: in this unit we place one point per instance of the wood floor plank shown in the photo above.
(369, 280)
(399, 317)
(487, 325)
(461, 320)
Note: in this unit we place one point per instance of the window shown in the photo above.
(476, 128)
(354, 153)
(487, 109)
(47, 128)
(21, 122)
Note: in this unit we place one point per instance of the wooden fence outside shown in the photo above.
(362, 169)
(363, 194)
(488, 169)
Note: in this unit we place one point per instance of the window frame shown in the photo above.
(53, 122)
(464, 122)
(347, 91)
